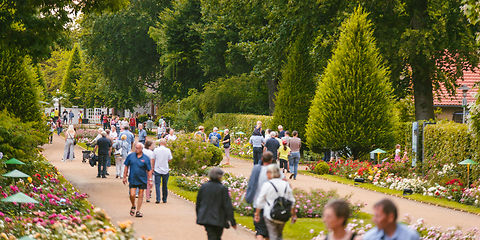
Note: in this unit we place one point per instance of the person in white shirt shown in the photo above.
(171, 135)
(162, 155)
(271, 190)
(113, 133)
(147, 150)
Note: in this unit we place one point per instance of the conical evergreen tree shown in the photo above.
(352, 108)
(296, 87)
(72, 76)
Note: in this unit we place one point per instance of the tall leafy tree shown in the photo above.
(352, 108)
(18, 90)
(72, 76)
(120, 46)
(180, 42)
(296, 87)
(33, 27)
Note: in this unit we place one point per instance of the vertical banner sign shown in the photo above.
(414, 143)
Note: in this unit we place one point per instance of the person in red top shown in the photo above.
(105, 121)
(133, 124)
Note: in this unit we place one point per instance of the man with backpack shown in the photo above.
(257, 178)
(277, 201)
(214, 137)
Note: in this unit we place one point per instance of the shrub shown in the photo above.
(237, 122)
(191, 155)
(352, 110)
(142, 118)
(321, 168)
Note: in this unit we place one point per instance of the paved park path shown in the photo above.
(174, 220)
(433, 215)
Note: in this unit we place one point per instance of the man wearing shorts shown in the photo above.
(140, 175)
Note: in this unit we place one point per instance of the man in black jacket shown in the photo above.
(214, 206)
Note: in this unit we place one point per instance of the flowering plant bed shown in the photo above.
(308, 204)
(62, 212)
(441, 183)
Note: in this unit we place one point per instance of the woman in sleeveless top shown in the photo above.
(68, 152)
(335, 216)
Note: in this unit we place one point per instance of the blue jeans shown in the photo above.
(164, 179)
(294, 160)
(257, 155)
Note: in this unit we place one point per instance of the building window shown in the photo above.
(458, 117)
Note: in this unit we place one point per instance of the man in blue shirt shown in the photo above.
(215, 137)
(140, 175)
(142, 134)
(385, 217)
(130, 137)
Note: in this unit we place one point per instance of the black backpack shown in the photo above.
(281, 210)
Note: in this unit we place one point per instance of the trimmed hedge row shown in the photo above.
(237, 122)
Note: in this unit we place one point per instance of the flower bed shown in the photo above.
(241, 147)
(308, 204)
(440, 183)
(62, 211)
(84, 135)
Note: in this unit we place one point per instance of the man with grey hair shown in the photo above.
(142, 134)
(161, 156)
(272, 145)
(281, 132)
(215, 137)
(214, 207)
(104, 146)
(140, 175)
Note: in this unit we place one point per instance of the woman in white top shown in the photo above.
(68, 152)
(271, 190)
(113, 133)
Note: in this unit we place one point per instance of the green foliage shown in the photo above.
(18, 90)
(237, 94)
(121, 48)
(450, 143)
(352, 108)
(321, 168)
(19, 139)
(53, 70)
(179, 42)
(296, 88)
(191, 155)
(237, 122)
(35, 26)
(72, 76)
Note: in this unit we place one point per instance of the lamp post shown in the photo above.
(464, 89)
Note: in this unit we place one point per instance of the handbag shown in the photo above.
(74, 141)
(93, 160)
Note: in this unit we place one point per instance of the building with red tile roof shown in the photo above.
(451, 105)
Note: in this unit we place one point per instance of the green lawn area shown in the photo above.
(417, 197)
(298, 231)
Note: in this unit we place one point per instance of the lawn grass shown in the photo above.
(298, 231)
(416, 197)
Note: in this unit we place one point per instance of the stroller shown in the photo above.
(88, 154)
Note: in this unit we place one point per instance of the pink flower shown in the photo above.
(1, 214)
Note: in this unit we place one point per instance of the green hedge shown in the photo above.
(237, 122)
(191, 155)
(449, 142)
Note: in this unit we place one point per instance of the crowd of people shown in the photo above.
(143, 163)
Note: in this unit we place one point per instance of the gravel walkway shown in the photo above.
(174, 220)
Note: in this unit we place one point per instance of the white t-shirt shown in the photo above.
(171, 137)
(149, 153)
(162, 156)
(113, 135)
(268, 195)
(397, 152)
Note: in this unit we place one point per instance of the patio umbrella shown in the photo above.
(240, 133)
(19, 198)
(14, 161)
(468, 162)
(25, 238)
(378, 151)
(16, 174)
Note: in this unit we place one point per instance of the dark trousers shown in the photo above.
(214, 232)
(257, 154)
(102, 165)
(283, 164)
(164, 179)
(132, 129)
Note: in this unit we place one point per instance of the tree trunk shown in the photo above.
(423, 93)
(272, 90)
